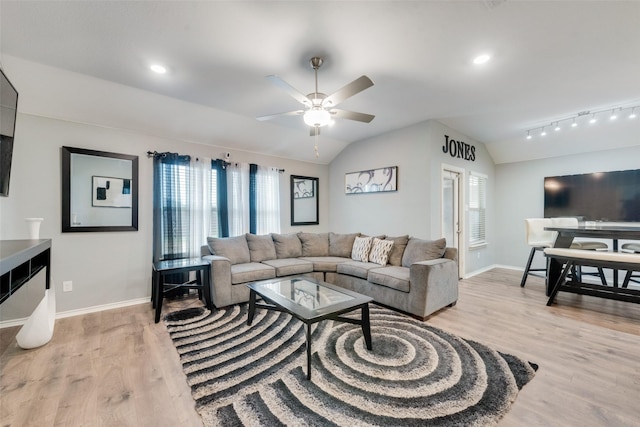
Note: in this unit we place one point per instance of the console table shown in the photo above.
(20, 260)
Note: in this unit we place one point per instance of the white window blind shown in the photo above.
(477, 209)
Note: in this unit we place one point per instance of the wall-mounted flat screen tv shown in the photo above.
(600, 196)
(8, 111)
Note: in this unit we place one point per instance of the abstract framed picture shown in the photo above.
(110, 192)
(303, 188)
(371, 181)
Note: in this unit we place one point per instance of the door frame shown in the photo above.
(461, 212)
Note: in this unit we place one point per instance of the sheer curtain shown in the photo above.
(267, 200)
(202, 204)
(238, 198)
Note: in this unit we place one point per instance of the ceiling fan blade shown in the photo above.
(273, 116)
(352, 115)
(295, 93)
(315, 130)
(356, 86)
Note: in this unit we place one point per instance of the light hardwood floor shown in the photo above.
(119, 368)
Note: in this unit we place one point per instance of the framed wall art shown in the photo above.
(371, 181)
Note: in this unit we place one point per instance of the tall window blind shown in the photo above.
(477, 209)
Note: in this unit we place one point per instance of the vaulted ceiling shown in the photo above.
(549, 60)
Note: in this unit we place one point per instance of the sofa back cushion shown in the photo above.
(341, 244)
(361, 248)
(234, 248)
(261, 248)
(397, 250)
(423, 250)
(380, 251)
(314, 244)
(287, 245)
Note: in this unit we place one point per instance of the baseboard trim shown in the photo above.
(81, 311)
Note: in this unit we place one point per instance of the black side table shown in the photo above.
(162, 268)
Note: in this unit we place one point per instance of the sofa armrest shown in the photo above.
(220, 280)
(434, 281)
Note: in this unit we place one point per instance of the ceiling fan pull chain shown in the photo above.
(315, 147)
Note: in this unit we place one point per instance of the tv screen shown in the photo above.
(600, 196)
(8, 111)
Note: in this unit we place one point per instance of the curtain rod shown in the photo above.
(224, 162)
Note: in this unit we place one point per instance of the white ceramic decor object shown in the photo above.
(38, 329)
(34, 227)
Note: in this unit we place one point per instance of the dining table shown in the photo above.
(566, 234)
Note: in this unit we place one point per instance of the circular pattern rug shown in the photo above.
(415, 375)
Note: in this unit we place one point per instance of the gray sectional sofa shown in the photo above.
(418, 277)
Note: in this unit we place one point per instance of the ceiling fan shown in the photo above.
(320, 108)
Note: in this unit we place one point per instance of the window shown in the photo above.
(477, 209)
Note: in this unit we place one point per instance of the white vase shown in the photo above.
(34, 227)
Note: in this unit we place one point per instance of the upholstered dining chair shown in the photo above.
(631, 276)
(539, 239)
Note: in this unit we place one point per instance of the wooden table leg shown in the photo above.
(159, 293)
(252, 307)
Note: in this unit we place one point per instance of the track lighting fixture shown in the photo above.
(576, 119)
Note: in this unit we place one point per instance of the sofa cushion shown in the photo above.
(423, 250)
(341, 244)
(356, 268)
(287, 245)
(251, 272)
(314, 244)
(325, 263)
(380, 251)
(290, 266)
(392, 277)
(361, 248)
(234, 248)
(399, 245)
(261, 247)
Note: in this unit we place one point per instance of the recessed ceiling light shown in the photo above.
(481, 59)
(158, 69)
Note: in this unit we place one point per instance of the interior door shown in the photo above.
(451, 212)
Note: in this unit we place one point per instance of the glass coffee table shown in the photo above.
(310, 301)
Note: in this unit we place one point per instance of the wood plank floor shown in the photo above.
(119, 368)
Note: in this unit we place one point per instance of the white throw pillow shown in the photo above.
(380, 251)
(360, 250)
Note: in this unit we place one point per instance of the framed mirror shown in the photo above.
(99, 191)
(304, 200)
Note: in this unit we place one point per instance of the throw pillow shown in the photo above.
(261, 248)
(234, 248)
(380, 251)
(361, 248)
(287, 245)
(399, 245)
(314, 244)
(341, 244)
(423, 250)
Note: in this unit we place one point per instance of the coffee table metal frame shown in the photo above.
(277, 302)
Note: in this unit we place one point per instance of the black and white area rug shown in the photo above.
(415, 374)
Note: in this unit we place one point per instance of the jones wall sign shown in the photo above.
(459, 149)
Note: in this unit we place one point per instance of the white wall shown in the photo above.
(520, 189)
(414, 209)
(106, 267)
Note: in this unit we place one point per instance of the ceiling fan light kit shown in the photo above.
(319, 108)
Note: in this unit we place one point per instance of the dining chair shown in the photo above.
(539, 239)
(631, 276)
